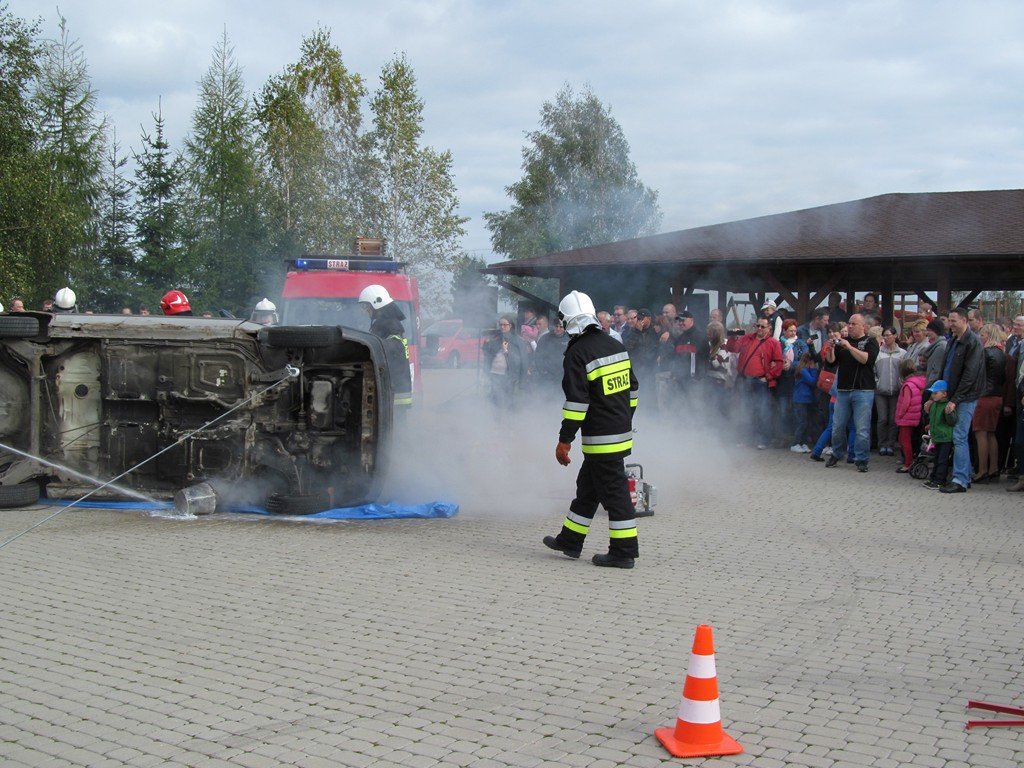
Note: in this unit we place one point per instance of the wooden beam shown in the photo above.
(922, 296)
(685, 294)
(887, 302)
(942, 281)
(526, 294)
(679, 291)
(834, 278)
(801, 290)
(778, 287)
(969, 298)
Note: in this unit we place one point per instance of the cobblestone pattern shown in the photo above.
(849, 632)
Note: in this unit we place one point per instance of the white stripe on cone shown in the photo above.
(701, 666)
(700, 712)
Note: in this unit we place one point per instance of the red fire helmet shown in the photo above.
(175, 303)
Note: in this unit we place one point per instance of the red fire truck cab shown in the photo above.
(324, 290)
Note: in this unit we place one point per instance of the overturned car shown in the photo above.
(301, 413)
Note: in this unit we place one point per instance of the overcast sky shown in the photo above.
(732, 109)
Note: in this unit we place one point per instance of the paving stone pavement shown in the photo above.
(854, 617)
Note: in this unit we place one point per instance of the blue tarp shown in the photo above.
(434, 509)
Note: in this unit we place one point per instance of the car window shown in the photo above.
(337, 311)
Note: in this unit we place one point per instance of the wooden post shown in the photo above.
(802, 294)
(945, 296)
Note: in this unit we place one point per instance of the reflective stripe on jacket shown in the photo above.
(600, 395)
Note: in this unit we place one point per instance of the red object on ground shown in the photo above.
(1002, 708)
(698, 731)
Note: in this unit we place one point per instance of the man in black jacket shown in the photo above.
(600, 397)
(642, 344)
(386, 323)
(963, 368)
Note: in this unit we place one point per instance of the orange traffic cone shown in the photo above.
(698, 731)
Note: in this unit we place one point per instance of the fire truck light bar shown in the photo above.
(347, 265)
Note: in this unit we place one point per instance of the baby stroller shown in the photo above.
(921, 466)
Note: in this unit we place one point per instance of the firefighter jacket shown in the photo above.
(387, 324)
(600, 395)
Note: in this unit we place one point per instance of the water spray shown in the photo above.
(291, 372)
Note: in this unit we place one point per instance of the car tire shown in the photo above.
(297, 503)
(19, 495)
(18, 327)
(302, 336)
(454, 361)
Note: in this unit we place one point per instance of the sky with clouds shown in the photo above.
(732, 108)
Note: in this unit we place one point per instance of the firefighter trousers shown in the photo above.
(602, 481)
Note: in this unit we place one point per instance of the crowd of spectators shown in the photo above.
(836, 385)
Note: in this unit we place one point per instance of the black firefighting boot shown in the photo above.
(552, 543)
(612, 561)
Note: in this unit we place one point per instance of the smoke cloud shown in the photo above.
(457, 448)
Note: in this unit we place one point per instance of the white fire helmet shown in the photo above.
(65, 300)
(376, 296)
(265, 312)
(576, 311)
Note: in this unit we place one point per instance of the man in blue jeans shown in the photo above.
(855, 391)
(964, 371)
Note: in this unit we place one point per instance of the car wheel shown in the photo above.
(453, 360)
(18, 327)
(297, 503)
(20, 495)
(302, 336)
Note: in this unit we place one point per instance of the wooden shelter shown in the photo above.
(926, 244)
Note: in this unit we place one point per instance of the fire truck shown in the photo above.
(324, 290)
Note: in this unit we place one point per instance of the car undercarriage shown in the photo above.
(301, 413)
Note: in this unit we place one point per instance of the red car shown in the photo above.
(448, 343)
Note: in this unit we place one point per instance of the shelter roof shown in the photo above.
(925, 225)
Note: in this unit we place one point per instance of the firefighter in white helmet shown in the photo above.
(600, 398)
(386, 322)
(65, 301)
(264, 313)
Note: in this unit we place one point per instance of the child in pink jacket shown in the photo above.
(908, 409)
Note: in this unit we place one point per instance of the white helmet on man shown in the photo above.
(264, 313)
(577, 313)
(65, 300)
(376, 296)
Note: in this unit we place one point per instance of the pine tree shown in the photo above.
(409, 195)
(158, 183)
(70, 141)
(112, 284)
(225, 192)
(20, 169)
